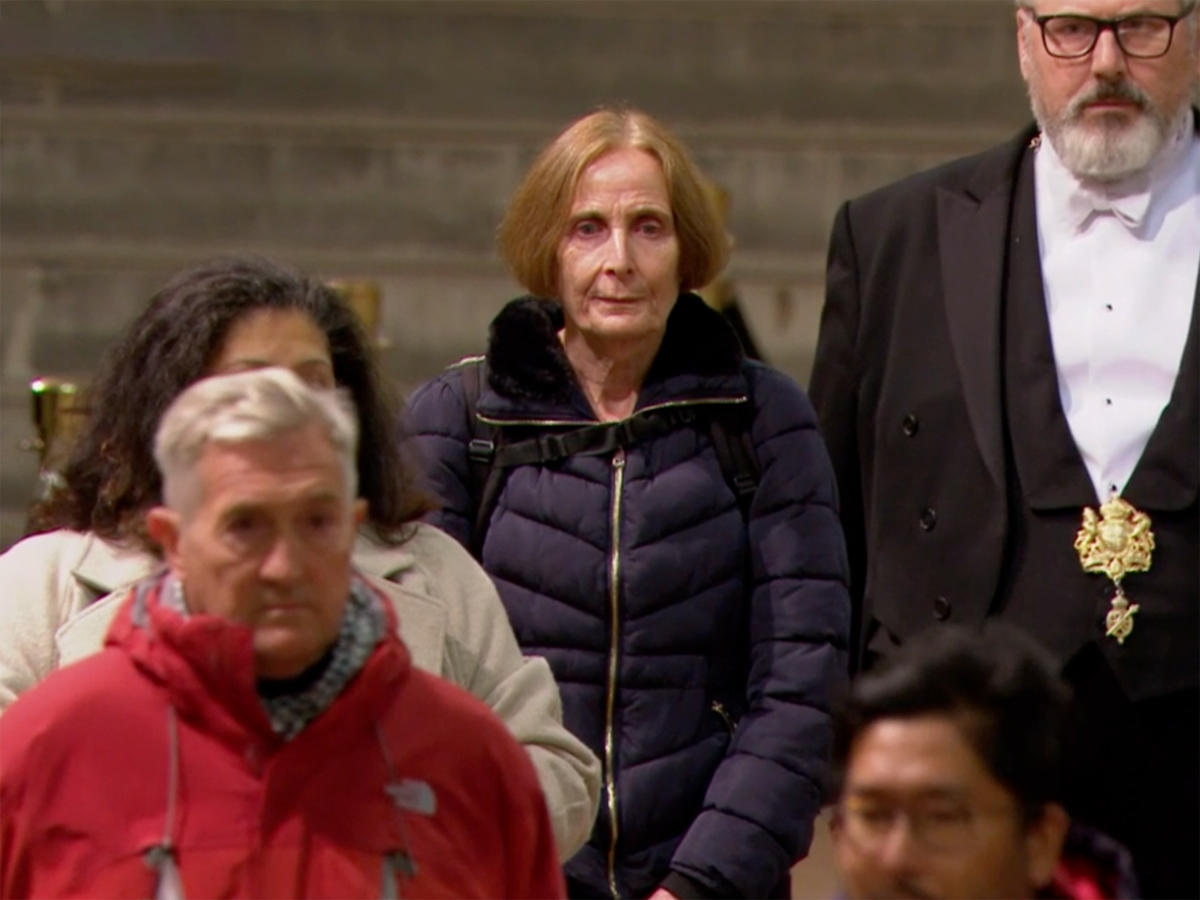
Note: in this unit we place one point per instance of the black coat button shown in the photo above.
(928, 519)
(911, 424)
(941, 609)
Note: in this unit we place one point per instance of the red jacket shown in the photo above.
(86, 760)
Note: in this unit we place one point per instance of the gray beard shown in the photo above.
(1106, 150)
(1107, 155)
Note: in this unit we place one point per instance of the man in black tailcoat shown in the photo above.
(1008, 378)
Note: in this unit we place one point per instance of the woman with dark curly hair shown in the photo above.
(110, 477)
(63, 585)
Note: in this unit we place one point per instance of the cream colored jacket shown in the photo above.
(59, 591)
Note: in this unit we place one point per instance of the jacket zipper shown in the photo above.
(670, 404)
(701, 401)
(719, 708)
(614, 595)
(618, 464)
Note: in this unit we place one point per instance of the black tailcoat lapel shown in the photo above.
(973, 228)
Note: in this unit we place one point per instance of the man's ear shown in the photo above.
(163, 526)
(1044, 842)
(360, 511)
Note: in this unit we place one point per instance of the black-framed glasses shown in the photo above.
(1140, 36)
(939, 828)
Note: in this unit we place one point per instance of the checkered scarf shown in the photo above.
(363, 626)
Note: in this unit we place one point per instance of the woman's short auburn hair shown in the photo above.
(536, 219)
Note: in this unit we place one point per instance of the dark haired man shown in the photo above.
(946, 765)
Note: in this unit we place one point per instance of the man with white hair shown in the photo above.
(254, 726)
(1008, 379)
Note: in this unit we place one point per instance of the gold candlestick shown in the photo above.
(366, 298)
(58, 417)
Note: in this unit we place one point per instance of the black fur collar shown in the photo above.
(526, 360)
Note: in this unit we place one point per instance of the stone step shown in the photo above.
(141, 183)
(898, 61)
(59, 319)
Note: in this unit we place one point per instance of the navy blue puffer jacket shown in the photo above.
(697, 653)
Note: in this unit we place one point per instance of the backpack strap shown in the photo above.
(490, 456)
(485, 480)
(729, 430)
(599, 439)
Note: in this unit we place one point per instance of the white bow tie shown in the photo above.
(1083, 202)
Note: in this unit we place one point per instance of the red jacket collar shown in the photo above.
(205, 667)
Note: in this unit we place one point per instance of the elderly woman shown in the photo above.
(697, 643)
(62, 587)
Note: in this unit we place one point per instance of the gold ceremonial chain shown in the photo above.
(1114, 543)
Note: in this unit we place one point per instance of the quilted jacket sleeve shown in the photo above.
(521, 690)
(759, 808)
(437, 426)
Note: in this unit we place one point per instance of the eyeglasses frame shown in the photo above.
(1103, 25)
(849, 809)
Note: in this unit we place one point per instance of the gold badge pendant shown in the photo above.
(1114, 543)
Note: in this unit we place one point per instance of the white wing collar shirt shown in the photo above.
(1120, 263)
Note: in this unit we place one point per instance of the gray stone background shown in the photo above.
(382, 139)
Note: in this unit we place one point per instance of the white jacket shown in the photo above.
(60, 590)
